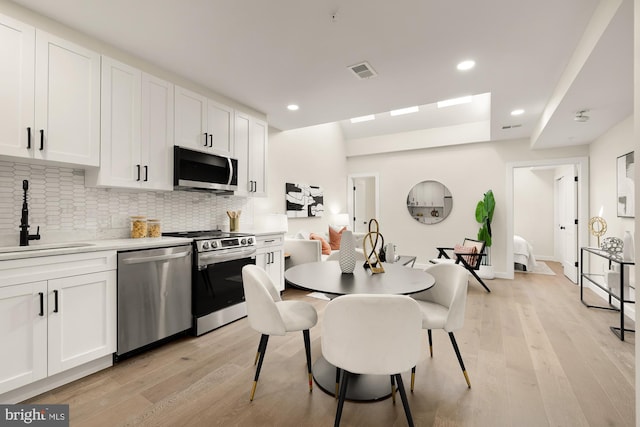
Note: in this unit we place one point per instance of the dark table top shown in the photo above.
(326, 276)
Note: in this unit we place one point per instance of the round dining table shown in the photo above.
(326, 277)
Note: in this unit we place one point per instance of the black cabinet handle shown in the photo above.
(137, 172)
(206, 139)
(41, 139)
(146, 173)
(28, 138)
(211, 139)
(41, 314)
(55, 301)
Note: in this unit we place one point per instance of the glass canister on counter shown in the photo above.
(138, 227)
(154, 228)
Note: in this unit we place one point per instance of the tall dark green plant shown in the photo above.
(484, 215)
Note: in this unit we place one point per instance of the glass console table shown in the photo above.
(598, 281)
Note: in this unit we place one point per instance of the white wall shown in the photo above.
(533, 209)
(314, 156)
(603, 153)
(468, 171)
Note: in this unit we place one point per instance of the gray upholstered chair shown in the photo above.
(469, 255)
(269, 315)
(443, 306)
(372, 334)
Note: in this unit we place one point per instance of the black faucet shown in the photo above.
(24, 221)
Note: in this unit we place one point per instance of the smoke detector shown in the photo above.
(363, 70)
(581, 116)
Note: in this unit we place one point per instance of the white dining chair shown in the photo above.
(270, 315)
(372, 334)
(443, 306)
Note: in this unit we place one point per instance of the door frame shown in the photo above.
(582, 172)
(350, 185)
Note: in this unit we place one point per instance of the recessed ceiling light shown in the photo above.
(466, 65)
(454, 101)
(363, 118)
(517, 112)
(293, 107)
(402, 111)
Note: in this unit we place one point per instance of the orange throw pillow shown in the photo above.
(326, 249)
(335, 237)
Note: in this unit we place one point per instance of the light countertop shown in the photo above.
(34, 250)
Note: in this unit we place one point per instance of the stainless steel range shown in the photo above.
(217, 293)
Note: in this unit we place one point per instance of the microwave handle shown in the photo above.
(230, 170)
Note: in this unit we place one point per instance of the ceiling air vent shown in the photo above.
(511, 126)
(363, 70)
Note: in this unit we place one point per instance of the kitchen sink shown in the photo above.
(44, 247)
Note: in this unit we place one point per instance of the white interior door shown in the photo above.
(360, 206)
(567, 227)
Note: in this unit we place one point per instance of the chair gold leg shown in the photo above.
(466, 377)
(413, 378)
(257, 356)
(337, 390)
(253, 390)
(310, 382)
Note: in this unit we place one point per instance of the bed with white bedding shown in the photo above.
(523, 258)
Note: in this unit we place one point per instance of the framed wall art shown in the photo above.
(625, 185)
(303, 200)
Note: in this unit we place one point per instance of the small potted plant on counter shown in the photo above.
(484, 215)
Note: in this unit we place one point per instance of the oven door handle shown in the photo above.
(140, 260)
(211, 258)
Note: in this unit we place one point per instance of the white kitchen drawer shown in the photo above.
(25, 270)
(267, 240)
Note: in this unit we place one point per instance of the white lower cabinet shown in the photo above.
(63, 319)
(270, 256)
(82, 324)
(23, 333)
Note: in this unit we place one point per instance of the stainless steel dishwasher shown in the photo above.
(154, 296)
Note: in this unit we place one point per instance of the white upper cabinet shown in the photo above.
(50, 104)
(120, 126)
(157, 133)
(17, 65)
(203, 124)
(251, 150)
(136, 130)
(67, 102)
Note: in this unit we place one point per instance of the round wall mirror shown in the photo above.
(429, 202)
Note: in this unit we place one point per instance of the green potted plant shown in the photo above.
(484, 215)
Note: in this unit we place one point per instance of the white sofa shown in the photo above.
(302, 250)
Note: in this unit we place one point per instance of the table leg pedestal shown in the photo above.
(362, 388)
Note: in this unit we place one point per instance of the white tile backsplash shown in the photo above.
(66, 210)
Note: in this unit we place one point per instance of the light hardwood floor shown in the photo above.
(535, 356)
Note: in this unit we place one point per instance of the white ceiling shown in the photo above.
(268, 54)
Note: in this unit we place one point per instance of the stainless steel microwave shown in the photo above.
(195, 170)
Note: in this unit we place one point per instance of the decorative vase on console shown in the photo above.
(628, 247)
(347, 254)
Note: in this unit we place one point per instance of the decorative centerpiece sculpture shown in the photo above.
(372, 243)
(597, 227)
(612, 245)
